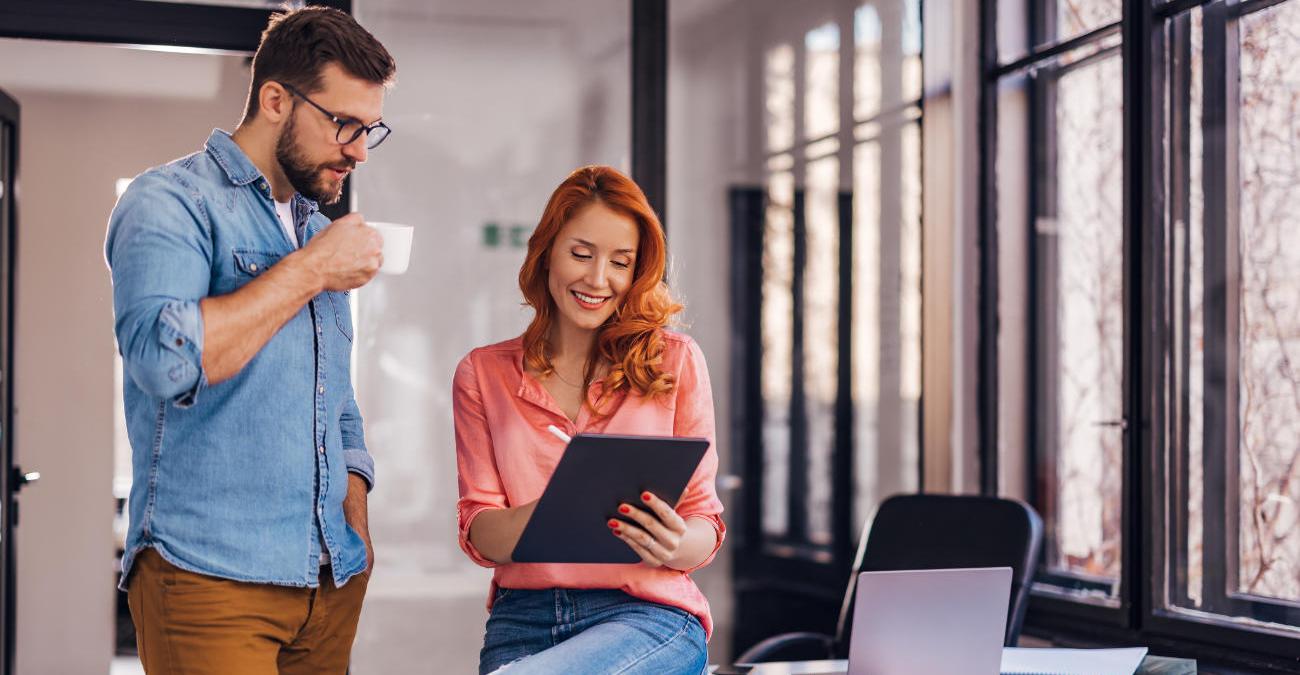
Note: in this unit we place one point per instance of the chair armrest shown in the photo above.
(790, 647)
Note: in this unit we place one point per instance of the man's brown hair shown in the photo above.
(297, 44)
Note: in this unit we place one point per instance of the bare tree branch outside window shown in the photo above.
(1269, 385)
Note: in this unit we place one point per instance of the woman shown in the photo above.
(596, 358)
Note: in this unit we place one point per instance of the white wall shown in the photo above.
(74, 146)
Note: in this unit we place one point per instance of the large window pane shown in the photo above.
(1188, 308)
(868, 354)
(1060, 195)
(1064, 19)
(867, 80)
(886, 382)
(1086, 313)
(821, 299)
(1013, 29)
(1047, 22)
(903, 467)
(886, 310)
(1269, 388)
(1234, 387)
(778, 87)
(887, 48)
(822, 101)
(778, 346)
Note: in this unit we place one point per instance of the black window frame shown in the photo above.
(1155, 50)
(181, 25)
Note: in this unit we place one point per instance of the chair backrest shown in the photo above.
(948, 531)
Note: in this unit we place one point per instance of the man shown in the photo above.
(248, 550)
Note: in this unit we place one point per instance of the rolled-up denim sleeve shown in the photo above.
(355, 455)
(159, 251)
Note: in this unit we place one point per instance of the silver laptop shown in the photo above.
(928, 622)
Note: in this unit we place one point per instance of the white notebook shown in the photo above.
(1022, 661)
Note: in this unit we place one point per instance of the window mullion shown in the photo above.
(1221, 312)
(797, 491)
(1172, 572)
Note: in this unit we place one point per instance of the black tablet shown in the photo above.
(596, 474)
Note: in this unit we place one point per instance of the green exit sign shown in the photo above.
(496, 235)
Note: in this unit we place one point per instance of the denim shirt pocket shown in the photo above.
(342, 312)
(251, 264)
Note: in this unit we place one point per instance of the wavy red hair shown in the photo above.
(630, 340)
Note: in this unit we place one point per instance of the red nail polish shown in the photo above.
(625, 509)
(645, 496)
(613, 523)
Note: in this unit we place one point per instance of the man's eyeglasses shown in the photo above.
(349, 129)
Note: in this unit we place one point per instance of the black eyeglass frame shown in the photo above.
(345, 121)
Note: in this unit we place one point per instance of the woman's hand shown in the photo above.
(656, 532)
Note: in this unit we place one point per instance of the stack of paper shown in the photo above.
(1019, 661)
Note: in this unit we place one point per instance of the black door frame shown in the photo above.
(238, 29)
(649, 79)
(9, 120)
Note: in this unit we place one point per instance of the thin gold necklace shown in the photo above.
(556, 373)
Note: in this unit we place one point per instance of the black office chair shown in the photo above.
(928, 532)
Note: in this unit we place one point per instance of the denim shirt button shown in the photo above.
(321, 449)
(180, 342)
(320, 389)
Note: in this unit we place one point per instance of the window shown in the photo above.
(1141, 177)
(1234, 382)
(834, 251)
(1060, 223)
(835, 222)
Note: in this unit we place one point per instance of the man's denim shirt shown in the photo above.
(243, 479)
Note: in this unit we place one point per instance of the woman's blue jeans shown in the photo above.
(601, 632)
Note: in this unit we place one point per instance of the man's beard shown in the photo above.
(305, 177)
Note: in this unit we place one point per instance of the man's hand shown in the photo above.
(346, 254)
(355, 512)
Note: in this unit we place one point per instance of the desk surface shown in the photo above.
(1151, 665)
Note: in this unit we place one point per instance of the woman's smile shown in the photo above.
(589, 301)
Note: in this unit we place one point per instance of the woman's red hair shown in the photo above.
(631, 340)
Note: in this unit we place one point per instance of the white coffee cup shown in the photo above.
(397, 246)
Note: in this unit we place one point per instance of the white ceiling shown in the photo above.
(73, 67)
